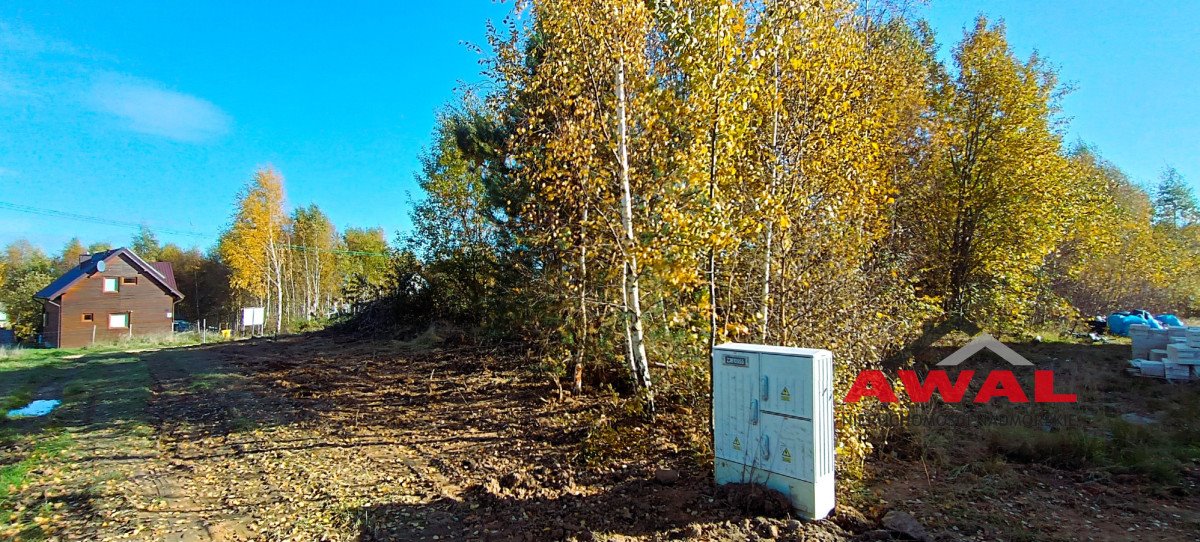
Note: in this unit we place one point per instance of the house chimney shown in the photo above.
(84, 258)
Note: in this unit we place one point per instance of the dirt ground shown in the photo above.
(328, 437)
(1072, 471)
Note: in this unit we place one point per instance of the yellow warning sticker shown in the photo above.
(785, 395)
(737, 443)
(787, 455)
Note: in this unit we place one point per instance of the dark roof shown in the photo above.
(160, 272)
(168, 272)
(77, 272)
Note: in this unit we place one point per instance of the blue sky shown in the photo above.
(1134, 66)
(158, 113)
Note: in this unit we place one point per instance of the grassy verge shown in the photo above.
(997, 469)
(10, 354)
(19, 521)
(13, 477)
(1160, 452)
(73, 373)
(102, 388)
(14, 400)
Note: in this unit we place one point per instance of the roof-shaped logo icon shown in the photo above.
(980, 342)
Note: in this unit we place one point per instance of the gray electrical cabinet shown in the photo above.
(773, 421)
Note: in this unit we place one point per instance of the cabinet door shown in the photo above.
(786, 385)
(791, 443)
(734, 418)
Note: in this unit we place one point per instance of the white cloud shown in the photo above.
(37, 70)
(147, 107)
(15, 39)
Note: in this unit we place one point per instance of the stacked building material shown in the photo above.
(1146, 339)
(1145, 367)
(1172, 353)
(1193, 337)
(1182, 362)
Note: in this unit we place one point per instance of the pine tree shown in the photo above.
(1174, 201)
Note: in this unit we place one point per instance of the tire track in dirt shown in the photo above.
(242, 463)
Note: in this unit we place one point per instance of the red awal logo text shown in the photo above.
(997, 384)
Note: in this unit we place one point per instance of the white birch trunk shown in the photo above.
(277, 269)
(766, 286)
(634, 306)
(581, 338)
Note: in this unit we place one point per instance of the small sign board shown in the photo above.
(253, 316)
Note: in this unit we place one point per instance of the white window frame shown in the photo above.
(116, 285)
(123, 315)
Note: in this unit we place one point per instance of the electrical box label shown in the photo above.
(785, 395)
(787, 455)
(737, 443)
(740, 361)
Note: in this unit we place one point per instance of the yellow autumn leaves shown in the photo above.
(798, 173)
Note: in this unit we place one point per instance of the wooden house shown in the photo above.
(109, 295)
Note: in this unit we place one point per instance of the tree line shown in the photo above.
(297, 265)
(642, 180)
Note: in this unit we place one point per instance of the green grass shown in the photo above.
(242, 424)
(18, 356)
(14, 475)
(102, 386)
(1069, 448)
(202, 382)
(17, 399)
(81, 372)
(75, 390)
(113, 378)
(97, 385)
(1159, 452)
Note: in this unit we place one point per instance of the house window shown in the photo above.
(118, 320)
(129, 280)
(88, 317)
(110, 284)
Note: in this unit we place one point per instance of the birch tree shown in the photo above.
(671, 174)
(584, 144)
(254, 244)
(314, 263)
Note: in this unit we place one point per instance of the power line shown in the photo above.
(137, 225)
(92, 219)
(337, 251)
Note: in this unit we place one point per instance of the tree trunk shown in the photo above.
(267, 283)
(277, 268)
(310, 290)
(634, 308)
(712, 197)
(582, 336)
(629, 355)
(766, 286)
(712, 252)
